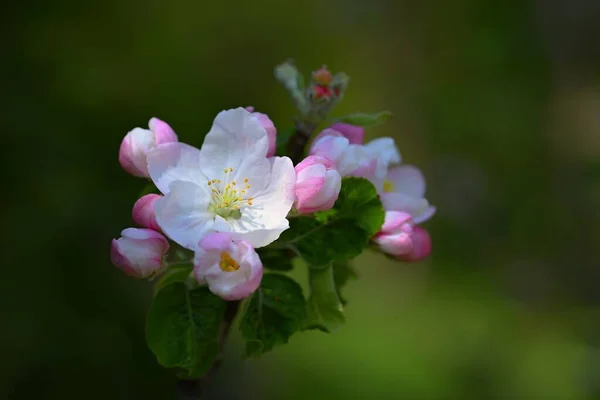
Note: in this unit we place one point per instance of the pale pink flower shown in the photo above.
(404, 190)
(231, 269)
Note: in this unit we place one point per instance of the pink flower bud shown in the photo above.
(231, 268)
(139, 252)
(138, 142)
(317, 185)
(143, 211)
(266, 122)
(394, 237)
(354, 134)
(400, 238)
(421, 242)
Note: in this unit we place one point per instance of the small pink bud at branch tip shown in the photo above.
(143, 211)
(139, 252)
(322, 76)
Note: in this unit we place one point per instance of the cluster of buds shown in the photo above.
(325, 88)
(317, 99)
(401, 187)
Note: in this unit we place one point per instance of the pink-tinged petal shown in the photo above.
(162, 131)
(139, 252)
(249, 109)
(373, 170)
(394, 244)
(317, 185)
(314, 160)
(402, 202)
(330, 147)
(306, 191)
(355, 134)
(421, 245)
(172, 162)
(266, 122)
(407, 179)
(216, 241)
(328, 132)
(384, 148)
(119, 260)
(395, 221)
(143, 211)
(229, 284)
(425, 215)
(253, 272)
(133, 150)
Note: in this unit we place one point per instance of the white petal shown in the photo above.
(142, 142)
(182, 213)
(263, 222)
(425, 215)
(245, 229)
(385, 148)
(278, 197)
(402, 202)
(236, 140)
(175, 162)
(407, 179)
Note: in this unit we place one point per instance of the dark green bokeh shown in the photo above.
(498, 103)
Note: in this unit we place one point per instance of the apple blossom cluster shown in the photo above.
(229, 218)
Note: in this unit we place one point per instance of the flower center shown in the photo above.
(227, 196)
(388, 186)
(227, 263)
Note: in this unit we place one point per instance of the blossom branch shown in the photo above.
(194, 389)
(298, 141)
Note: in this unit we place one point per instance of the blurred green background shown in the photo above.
(498, 103)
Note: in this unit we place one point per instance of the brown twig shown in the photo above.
(194, 389)
(298, 142)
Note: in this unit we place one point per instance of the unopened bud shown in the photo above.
(322, 76)
(321, 93)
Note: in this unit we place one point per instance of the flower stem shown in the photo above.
(195, 389)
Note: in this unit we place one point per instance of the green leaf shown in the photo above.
(276, 259)
(147, 189)
(339, 234)
(182, 328)
(283, 138)
(342, 273)
(273, 314)
(324, 309)
(366, 120)
(174, 274)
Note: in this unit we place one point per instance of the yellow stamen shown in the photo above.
(388, 186)
(227, 263)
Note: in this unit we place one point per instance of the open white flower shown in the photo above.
(404, 190)
(229, 185)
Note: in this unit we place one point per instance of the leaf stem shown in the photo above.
(195, 389)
